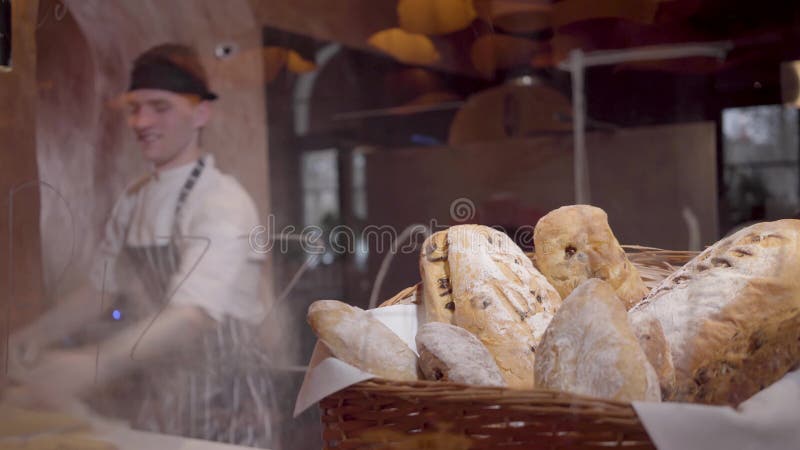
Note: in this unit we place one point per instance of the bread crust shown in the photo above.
(451, 353)
(575, 243)
(590, 349)
(731, 316)
(434, 271)
(654, 343)
(361, 340)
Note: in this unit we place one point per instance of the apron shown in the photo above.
(220, 392)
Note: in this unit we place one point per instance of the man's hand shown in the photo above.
(53, 384)
(70, 372)
(25, 348)
(42, 398)
(69, 315)
(61, 377)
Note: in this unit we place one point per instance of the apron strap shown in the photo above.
(184, 194)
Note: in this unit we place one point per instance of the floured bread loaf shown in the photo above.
(451, 353)
(361, 340)
(731, 316)
(575, 243)
(590, 349)
(499, 297)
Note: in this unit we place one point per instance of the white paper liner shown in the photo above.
(327, 375)
(770, 420)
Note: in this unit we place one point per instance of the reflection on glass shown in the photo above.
(760, 151)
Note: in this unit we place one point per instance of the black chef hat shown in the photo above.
(171, 67)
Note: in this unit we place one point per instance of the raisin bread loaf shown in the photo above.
(499, 297)
(731, 316)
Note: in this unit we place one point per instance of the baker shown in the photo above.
(176, 263)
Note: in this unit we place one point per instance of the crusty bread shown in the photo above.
(436, 291)
(451, 353)
(590, 349)
(575, 243)
(731, 316)
(654, 343)
(499, 297)
(359, 339)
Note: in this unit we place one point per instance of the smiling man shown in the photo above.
(168, 102)
(176, 266)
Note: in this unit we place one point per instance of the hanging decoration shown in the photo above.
(297, 64)
(515, 16)
(277, 58)
(435, 17)
(409, 48)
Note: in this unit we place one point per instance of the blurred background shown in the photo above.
(385, 113)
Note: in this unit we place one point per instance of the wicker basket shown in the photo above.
(381, 414)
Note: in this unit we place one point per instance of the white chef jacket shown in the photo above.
(219, 271)
(216, 270)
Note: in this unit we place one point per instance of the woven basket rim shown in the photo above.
(444, 387)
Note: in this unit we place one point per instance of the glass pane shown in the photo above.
(182, 181)
(760, 163)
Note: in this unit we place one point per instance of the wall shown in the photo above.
(20, 257)
(642, 177)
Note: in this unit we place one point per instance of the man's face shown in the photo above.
(165, 123)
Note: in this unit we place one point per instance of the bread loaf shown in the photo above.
(451, 353)
(499, 297)
(436, 291)
(731, 316)
(361, 340)
(575, 243)
(590, 349)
